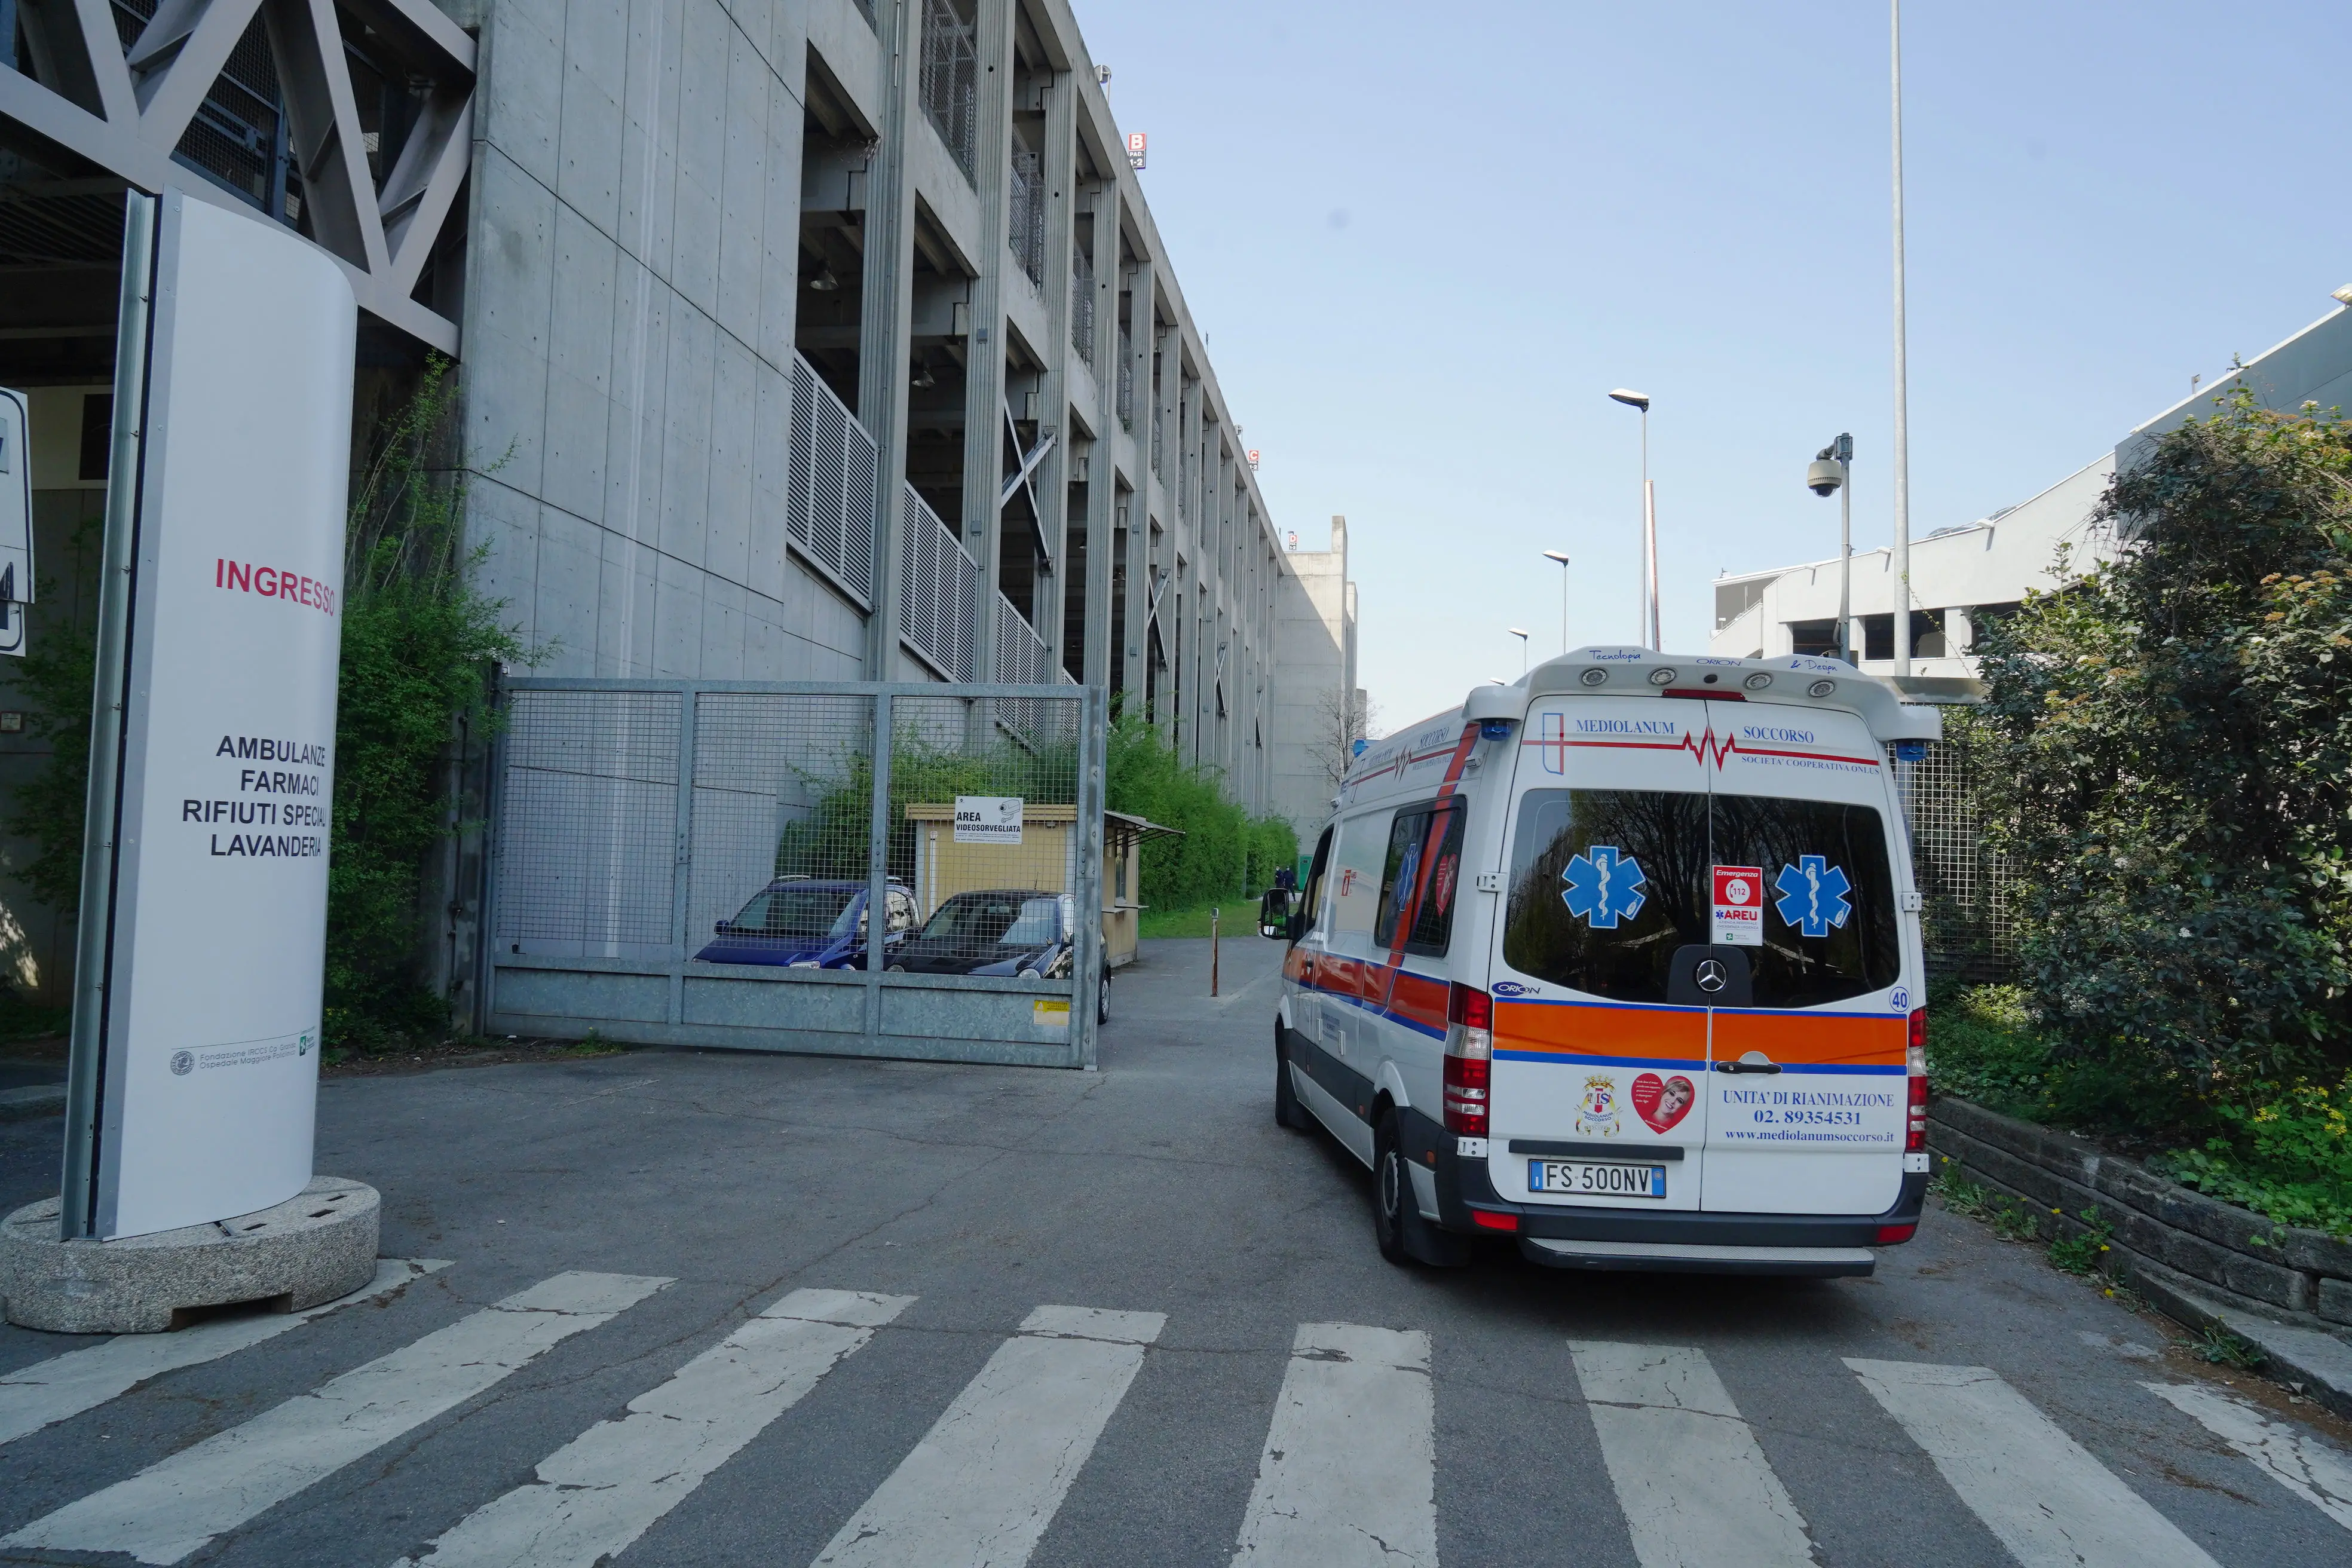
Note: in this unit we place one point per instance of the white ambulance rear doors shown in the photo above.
(1805, 1111)
(1599, 1044)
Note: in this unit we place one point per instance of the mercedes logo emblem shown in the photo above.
(1712, 976)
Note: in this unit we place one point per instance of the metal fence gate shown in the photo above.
(680, 862)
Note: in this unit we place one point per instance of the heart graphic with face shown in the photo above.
(1662, 1103)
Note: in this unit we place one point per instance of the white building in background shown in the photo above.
(1964, 575)
(1320, 709)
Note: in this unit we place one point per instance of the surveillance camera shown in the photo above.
(1822, 476)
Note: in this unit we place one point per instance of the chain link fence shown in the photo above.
(901, 871)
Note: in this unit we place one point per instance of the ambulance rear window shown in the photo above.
(1605, 884)
(1829, 930)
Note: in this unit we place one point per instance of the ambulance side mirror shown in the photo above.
(1273, 913)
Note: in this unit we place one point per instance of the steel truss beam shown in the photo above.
(130, 109)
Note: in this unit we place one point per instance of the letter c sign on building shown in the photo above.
(198, 988)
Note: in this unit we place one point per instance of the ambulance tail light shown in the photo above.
(1915, 1141)
(1469, 1059)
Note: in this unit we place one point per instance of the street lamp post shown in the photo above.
(1561, 557)
(1523, 647)
(1902, 562)
(1641, 400)
(1832, 470)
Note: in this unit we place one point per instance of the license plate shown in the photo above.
(1586, 1179)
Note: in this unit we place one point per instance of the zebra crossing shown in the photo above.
(1347, 1475)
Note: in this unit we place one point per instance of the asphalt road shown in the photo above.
(847, 1361)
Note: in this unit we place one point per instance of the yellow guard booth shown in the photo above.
(1045, 861)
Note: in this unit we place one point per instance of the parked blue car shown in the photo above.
(803, 923)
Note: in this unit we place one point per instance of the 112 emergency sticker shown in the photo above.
(1739, 905)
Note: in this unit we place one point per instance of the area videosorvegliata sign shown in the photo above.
(209, 1091)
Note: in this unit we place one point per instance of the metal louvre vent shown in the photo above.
(829, 492)
(939, 588)
(587, 821)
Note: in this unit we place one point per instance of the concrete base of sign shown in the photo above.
(313, 1247)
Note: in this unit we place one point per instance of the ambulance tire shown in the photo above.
(1287, 1111)
(1404, 1237)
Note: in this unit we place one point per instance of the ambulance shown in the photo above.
(1623, 963)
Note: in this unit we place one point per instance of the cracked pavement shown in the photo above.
(1159, 1185)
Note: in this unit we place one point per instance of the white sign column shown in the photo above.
(207, 1038)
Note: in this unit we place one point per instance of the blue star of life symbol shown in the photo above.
(1814, 896)
(1603, 887)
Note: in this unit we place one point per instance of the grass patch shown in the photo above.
(1237, 917)
(2222, 1348)
(592, 1044)
(2085, 1253)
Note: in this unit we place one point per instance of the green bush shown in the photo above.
(417, 645)
(1225, 853)
(54, 681)
(2167, 757)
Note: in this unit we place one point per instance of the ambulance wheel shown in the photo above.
(1391, 1191)
(1102, 999)
(1287, 1111)
(1397, 1223)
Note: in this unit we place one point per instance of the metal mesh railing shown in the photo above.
(939, 592)
(602, 873)
(1964, 885)
(1026, 216)
(830, 487)
(1082, 303)
(951, 80)
(1028, 751)
(587, 824)
(780, 844)
(1126, 378)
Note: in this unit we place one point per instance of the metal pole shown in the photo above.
(1085, 986)
(878, 868)
(1214, 912)
(1649, 553)
(1649, 564)
(86, 1062)
(1563, 609)
(1845, 563)
(1902, 381)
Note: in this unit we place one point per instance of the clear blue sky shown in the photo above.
(1426, 240)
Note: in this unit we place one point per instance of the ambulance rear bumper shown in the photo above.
(1667, 1256)
(1709, 1239)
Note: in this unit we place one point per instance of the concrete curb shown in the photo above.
(2205, 1263)
(32, 1100)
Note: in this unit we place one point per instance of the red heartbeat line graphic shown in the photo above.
(1706, 746)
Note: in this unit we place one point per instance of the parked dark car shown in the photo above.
(1001, 931)
(804, 924)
